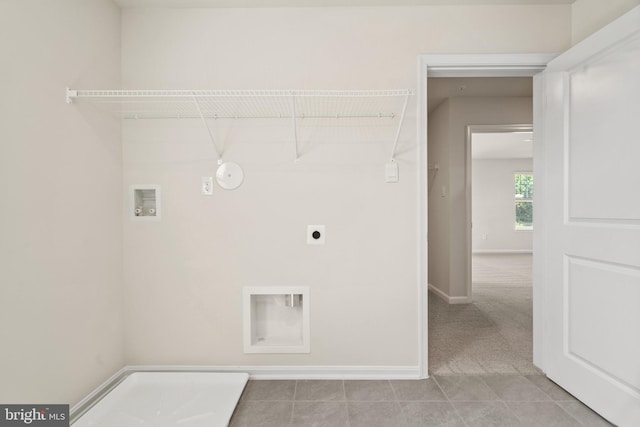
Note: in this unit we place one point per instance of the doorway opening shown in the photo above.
(499, 192)
(451, 66)
(480, 307)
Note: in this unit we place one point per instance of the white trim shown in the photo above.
(460, 300)
(539, 236)
(486, 65)
(502, 251)
(522, 127)
(448, 299)
(423, 212)
(440, 294)
(471, 129)
(294, 372)
(471, 65)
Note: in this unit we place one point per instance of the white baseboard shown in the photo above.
(297, 372)
(255, 373)
(85, 404)
(502, 251)
(335, 372)
(447, 298)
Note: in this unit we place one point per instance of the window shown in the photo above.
(524, 201)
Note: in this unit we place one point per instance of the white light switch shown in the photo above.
(392, 172)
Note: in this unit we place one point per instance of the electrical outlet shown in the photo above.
(207, 185)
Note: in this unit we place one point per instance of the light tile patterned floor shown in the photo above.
(451, 401)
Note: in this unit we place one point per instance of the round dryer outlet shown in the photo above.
(315, 234)
(229, 175)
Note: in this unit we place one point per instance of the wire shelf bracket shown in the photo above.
(206, 125)
(395, 142)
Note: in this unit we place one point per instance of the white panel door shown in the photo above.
(591, 138)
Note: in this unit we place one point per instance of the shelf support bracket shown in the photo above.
(70, 95)
(395, 143)
(206, 125)
(295, 125)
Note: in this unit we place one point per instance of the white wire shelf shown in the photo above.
(246, 104)
(251, 104)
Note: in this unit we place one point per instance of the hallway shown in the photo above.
(492, 335)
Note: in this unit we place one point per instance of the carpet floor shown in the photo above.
(492, 335)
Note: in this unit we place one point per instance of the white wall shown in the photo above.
(60, 190)
(448, 262)
(493, 205)
(184, 275)
(588, 16)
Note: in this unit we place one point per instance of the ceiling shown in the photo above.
(441, 88)
(322, 3)
(503, 145)
(498, 145)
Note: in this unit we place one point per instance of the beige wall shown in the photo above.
(60, 190)
(438, 188)
(588, 16)
(448, 268)
(184, 275)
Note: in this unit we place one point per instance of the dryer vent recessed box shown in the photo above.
(276, 319)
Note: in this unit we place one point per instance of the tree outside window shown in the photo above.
(524, 201)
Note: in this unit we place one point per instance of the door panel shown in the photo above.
(588, 337)
(592, 221)
(599, 100)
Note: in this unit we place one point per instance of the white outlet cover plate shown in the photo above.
(313, 228)
(207, 185)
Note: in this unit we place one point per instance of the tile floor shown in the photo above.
(480, 355)
(450, 400)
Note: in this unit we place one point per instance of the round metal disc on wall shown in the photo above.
(229, 175)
